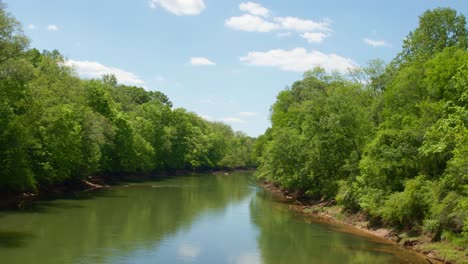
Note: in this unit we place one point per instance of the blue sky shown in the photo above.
(226, 60)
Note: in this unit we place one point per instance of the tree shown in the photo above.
(15, 72)
(392, 143)
(110, 80)
(56, 127)
(438, 28)
(12, 41)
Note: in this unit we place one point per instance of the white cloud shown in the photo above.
(92, 69)
(254, 9)
(179, 7)
(188, 252)
(32, 26)
(256, 19)
(298, 59)
(233, 120)
(248, 258)
(207, 117)
(376, 43)
(237, 118)
(314, 37)
(247, 113)
(302, 25)
(250, 23)
(52, 28)
(201, 61)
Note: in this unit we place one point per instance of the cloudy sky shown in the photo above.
(226, 60)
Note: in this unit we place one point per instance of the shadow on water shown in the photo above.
(93, 194)
(54, 204)
(155, 178)
(44, 204)
(41, 207)
(102, 193)
(124, 220)
(315, 240)
(13, 239)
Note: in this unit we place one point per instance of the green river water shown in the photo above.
(187, 219)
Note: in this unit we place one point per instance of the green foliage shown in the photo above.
(347, 195)
(12, 40)
(98, 98)
(56, 127)
(58, 147)
(320, 127)
(15, 72)
(392, 141)
(438, 28)
(389, 159)
(239, 148)
(409, 207)
(447, 252)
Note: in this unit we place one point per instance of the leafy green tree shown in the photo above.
(151, 121)
(391, 142)
(438, 28)
(12, 41)
(239, 151)
(15, 72)
(58, 152)
(320, 127)
(99, 99)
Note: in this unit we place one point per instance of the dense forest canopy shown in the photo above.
(389, 140)
(55, 126)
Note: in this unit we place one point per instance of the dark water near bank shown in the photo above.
(190, 219)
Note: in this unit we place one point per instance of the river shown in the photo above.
(185, 219)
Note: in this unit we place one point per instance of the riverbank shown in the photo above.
(328, 211)
(20, 200)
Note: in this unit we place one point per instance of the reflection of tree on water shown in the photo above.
(285, 238)
(13, 239)
(122, 223)
(121, 219)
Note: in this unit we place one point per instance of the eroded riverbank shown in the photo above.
(20, 200)
(357, 223)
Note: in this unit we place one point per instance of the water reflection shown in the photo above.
(13, 239)
(192, 219)
(115, 221)
(287, 238)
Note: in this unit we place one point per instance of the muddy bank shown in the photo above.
(18, 200)
(329, 212)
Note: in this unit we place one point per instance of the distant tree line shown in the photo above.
(55, 126)
(389, 140)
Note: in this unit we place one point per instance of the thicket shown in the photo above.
(56, 127)
(388, 140)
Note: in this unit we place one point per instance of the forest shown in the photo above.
(56, 127)
(389, 141)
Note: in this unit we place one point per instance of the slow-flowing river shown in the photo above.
(188, 219)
